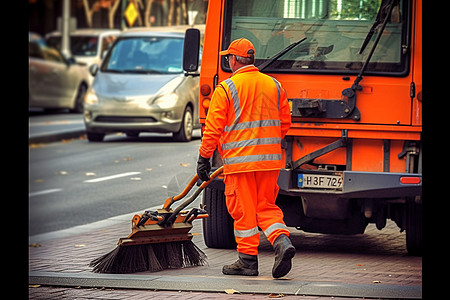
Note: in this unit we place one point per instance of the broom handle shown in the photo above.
(169, 201)
(172, 217)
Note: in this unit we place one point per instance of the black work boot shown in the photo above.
(245, 265)
(284, 252)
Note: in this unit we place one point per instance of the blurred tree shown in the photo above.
(148, 9)
(112, 8)
(110, 5)
(175, 7)
(43, 14)
(89, 11)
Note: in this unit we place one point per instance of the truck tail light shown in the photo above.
(205, 90)
(410, 180)
(206, 102)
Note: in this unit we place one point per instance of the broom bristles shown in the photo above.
(192, 255)
(149, 257)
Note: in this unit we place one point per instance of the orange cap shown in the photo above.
(240, 47)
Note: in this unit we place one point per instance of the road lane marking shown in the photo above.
(44, 192)
(111, 177)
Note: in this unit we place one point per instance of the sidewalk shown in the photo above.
(373, 265)
(51, 128)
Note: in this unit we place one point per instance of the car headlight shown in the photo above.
(166, 100)
(91, 98)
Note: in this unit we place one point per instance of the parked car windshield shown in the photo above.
(161, 55)
(79, 45)
(335, 31)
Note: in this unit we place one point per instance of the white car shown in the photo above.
(88, 46)
(55, 81)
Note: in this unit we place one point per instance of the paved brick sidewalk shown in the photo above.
(374, 258)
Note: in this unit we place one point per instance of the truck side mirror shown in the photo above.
(191, 50)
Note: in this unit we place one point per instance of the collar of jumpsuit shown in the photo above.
(244, 69)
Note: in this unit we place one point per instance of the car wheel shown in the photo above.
(79, 100)
(187, 125)
(95, 136)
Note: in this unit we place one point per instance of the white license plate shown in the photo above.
(319, 181)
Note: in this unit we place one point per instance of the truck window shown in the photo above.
(335, 31)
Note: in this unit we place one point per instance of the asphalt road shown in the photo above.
(75, 182)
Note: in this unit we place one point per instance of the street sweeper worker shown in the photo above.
(248, 117)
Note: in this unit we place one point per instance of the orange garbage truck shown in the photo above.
(352, 71)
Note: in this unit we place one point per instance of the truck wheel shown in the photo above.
(218, 228)
(414, 228)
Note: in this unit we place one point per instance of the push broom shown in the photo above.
(159, 239)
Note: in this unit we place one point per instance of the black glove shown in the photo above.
(203, 168)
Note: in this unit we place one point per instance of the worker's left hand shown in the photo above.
(203, 168)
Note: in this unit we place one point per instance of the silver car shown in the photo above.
(141, 87)
(54, 81)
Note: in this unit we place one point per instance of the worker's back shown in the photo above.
(252, 134)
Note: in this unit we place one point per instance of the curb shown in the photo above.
(263, 285)
(55, 136)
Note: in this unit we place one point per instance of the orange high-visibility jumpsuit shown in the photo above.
(248, 117)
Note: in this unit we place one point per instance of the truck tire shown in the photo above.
(218, 228)
(414, 228)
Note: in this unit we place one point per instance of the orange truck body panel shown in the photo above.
(349, 160)
(388, 112)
